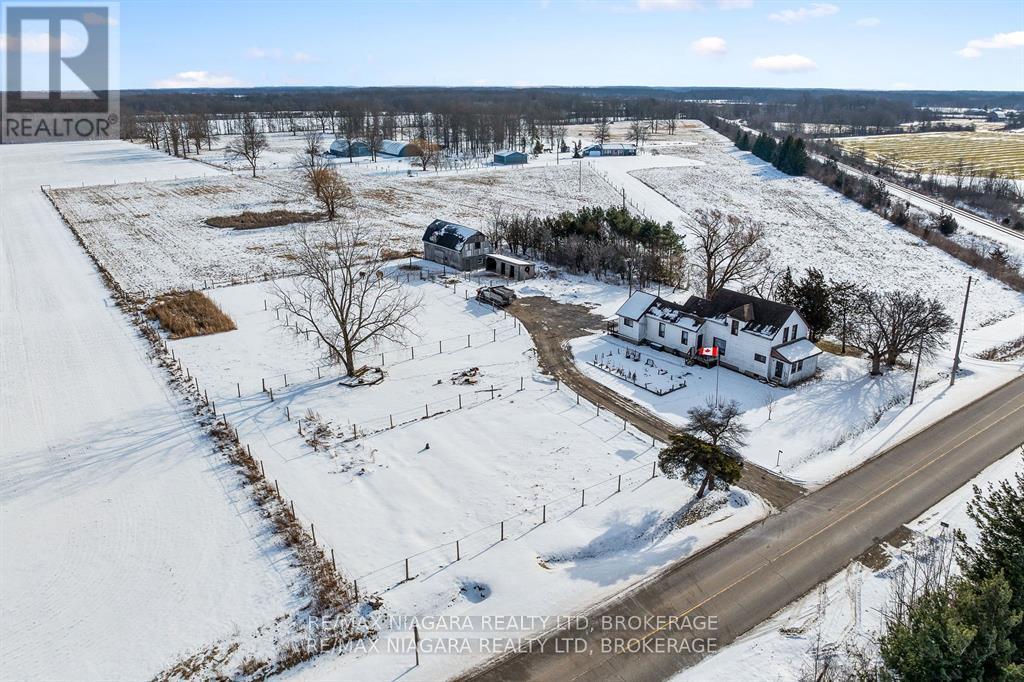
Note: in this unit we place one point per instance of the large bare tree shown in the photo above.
(343, 293)
(250, 143)
(887, 325)
(724, 250)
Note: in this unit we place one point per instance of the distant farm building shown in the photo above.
(610, 149)
(458, 246)
(507, 266)
(508, 157)
(341, 147)
(395, 148)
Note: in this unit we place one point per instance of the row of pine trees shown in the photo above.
(790, 157)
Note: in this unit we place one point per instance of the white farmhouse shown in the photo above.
(754, 336)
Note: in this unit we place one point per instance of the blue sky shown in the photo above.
(884, 45)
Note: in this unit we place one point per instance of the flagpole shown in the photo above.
(718, 363)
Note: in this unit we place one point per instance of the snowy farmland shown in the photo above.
(493, 480)
(126, 540)
(808, 225)
(152, 236)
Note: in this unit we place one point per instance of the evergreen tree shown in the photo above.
(780, 157)
(999, 516)
(721, 435)
(746, 142)
(813, 296)
(960, 631)
(798, 158)
(946, 223)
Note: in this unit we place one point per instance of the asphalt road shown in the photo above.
(720, 593)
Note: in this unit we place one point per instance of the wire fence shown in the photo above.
(511, 528)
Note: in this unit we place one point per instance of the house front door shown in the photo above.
(778, 369)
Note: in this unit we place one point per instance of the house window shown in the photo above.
(735, 327)
(661, 329)
(685, 338)
(794, 332)
(720, 344)
(628, 322)
(785, 335)
(799, 365)
(760, 358)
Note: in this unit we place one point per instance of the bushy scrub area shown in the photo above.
(189, 313)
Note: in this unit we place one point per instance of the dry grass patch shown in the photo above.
(386, 196)
(251, 220)
(189, 313)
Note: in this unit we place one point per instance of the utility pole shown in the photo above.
(917, 367)
(960, 335)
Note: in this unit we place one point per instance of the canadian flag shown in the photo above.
(711, 352)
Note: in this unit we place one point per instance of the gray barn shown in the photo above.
(454, 245)
(508, 157)
(610, 149)
(341, 147)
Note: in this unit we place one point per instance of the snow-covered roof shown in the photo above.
(449, 235)
(395, 148)
(636, 305)
(617, 145)
(673, 313)
(509, 259)
(796, 351)
(760, 316)
(508, 152)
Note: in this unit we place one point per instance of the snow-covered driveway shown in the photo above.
(123, 539)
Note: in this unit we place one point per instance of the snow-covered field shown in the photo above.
(125, 541)
(515, 462)
(844, 609)
(152, 236)
(808, 225)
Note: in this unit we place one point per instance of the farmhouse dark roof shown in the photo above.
(449, 235)
(761, 316)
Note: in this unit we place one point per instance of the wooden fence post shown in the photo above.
(312, 529)
(502, 531)
(544, 514)
(458, 553)
(619, 489)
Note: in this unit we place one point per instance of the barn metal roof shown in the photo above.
(393, 147)
(449, 235)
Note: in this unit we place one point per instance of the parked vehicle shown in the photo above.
(498, 296)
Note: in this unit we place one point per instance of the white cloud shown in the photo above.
(198, 79)
(813, 11)
(263, 53)
(40, 42)
(303, 58)
(735, 4)
(708, 46)
(784, 63)
(868, 22)
(653, 5)
(1000, 41)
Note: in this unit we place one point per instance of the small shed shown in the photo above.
(455, 245)
(509, 157)
(396, 148)
(342, 147)
(507, 266)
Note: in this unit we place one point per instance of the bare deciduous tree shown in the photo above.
(725, 249)
(888, 325)
(427, 154)
(638, 131)
(602, 131)
(250, 143)
(330, 190)
(343, 294)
